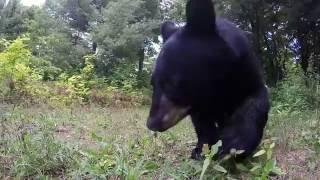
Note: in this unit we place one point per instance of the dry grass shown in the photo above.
(171, 150)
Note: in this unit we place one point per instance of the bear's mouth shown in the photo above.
(167, 115)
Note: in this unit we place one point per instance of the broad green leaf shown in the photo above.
(206, 164)
(256, 167)
(269, 154)
(220, 168)
(277, 171)
(272, 145)
(259, 153)
(215, 148)
(270, 165)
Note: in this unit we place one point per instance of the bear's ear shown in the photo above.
(167, 29)
(200, 16)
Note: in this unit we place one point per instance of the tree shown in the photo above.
(12, 19)
(266, 22)
(52, 40)
(127, 29)
(304, 29)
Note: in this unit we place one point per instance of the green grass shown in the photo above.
(91, 142)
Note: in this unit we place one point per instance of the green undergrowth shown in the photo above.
(29, 80)
(77, 126)
(91, 142)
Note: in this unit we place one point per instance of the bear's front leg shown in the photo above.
(246, 125)
(207, 133)
(196, 152)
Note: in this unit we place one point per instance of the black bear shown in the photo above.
(207, 69)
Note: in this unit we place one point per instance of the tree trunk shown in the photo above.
(94, 46)
(140, 67)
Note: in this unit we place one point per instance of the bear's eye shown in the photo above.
(172, 88)
(172, 82)
(170, 85)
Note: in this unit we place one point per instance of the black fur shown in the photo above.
(209, 65)
(200, 16)
(167, 29)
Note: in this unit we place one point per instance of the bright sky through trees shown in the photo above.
(32, 2)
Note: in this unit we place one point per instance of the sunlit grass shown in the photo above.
(110, 143)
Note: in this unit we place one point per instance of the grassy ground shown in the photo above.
(97, 143)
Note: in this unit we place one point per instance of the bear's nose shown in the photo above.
(154, 125)
(151, 124)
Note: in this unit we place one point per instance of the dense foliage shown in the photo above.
(123, 36)
(88, 53)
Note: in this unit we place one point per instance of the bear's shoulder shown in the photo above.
(234, 36)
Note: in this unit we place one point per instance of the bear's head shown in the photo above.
(185, 76)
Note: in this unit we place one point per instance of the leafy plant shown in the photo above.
(15, 71)
(266, 165)
(260, 166)
(41, 154)
(209, 154)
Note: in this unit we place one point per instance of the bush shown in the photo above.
(28, 79)
(41, 154)
(296, 92)
(15, 72)
(113, 97)
(125, 77)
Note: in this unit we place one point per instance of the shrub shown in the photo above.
(296, 92)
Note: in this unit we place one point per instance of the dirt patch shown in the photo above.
(67, 134)
(5, 162)
(295, 165)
